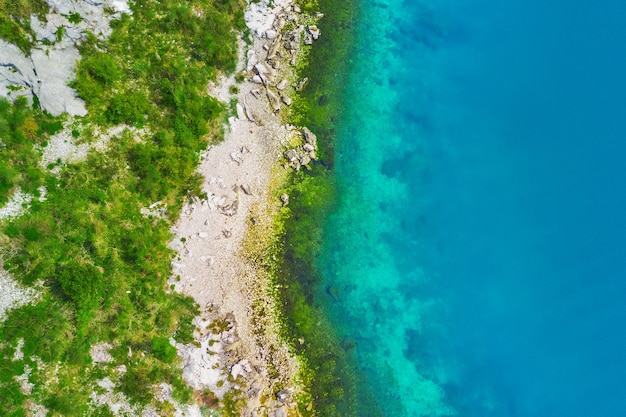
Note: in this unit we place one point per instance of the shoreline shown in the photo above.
(239, 353)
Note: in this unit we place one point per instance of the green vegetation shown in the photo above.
(22, 129)
(15, 21)
(104, 266)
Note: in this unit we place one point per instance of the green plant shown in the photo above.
(163, 350)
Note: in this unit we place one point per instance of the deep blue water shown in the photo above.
(479, 242)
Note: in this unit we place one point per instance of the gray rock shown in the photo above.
(314, 31)
(286, 100)
(280, 412)
(305, 159)
(291, 155)
(301, 84)
(273, 50)
(251, 60)
(284, 198)
(246, 189)
(241, 115)
(273, 99)
(281, 85)
(45, 73)
(309, 136)
(229, 209)
(284, 396)
(290, 45)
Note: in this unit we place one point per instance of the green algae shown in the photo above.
(329, 373)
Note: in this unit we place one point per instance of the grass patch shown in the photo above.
(22, 130)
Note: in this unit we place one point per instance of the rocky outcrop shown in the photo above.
(302, 155)
(269, 22)
(44, 74)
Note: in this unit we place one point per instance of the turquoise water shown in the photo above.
(478, 245)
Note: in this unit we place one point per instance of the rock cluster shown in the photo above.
(217, 362)
(225, 201)
(302, 155)
(282, 46)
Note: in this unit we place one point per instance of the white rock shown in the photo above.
(251, 60)
(45, 73)
(241, 115)
(13, 294)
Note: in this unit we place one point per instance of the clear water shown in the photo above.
(479, 246)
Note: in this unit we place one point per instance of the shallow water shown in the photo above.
(478, 246)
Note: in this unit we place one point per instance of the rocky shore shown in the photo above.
(238, 352)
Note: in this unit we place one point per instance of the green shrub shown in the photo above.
(82, 283)
(163, 350)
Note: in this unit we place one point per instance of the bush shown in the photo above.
(83, 284)
(130, 108)
(163, 350)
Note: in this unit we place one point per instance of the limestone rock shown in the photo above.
(314, 31)
(241, 114)
(291, 155)
(309, 136)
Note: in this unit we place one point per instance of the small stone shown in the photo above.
(273, 99)
(305, 160)
(286, 100)
(285, 199)
(291, 155)
(309, 136)
(281, 85)
(314, 31)
(203, 235)
(227, 233)
(301, 84)
(284, 396)
(246, 189)
(241, 115)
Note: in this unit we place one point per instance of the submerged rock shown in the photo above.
(334, 292)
